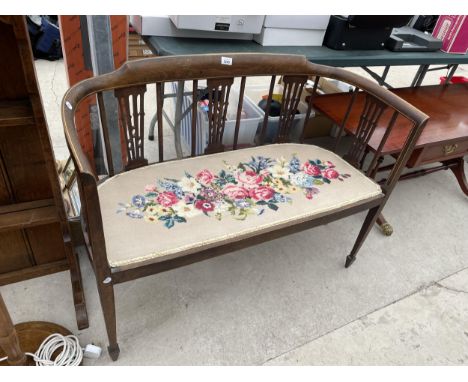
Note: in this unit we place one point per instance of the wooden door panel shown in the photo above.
(5, 195)
(24, 163)
(14, 252)
(46, 243)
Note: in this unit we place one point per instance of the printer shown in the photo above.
(197, 26)
(362, 32)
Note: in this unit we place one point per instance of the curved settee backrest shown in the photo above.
(129, 84)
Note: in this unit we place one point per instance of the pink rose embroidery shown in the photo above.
(204, 205)
(310, 169)
(249, 178)
(167, 198)
(150, 188)
(262, 193)
(330, 173)
(205, 177)
(235, 192)
(248, 189)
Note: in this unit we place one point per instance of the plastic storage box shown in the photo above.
(247, 128)
(255, 93)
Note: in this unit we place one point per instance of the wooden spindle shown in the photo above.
(194, 116)
(159, 101)
(373, 167)
(310, 103)
(239, 112)
(105, 133)
(267, 110)
(345, 119)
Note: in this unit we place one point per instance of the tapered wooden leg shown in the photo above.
(365, 229)
(8, 338)
(385, 226)
(459, 172)
(106, 294)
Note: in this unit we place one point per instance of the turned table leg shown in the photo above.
(20, 340)
(385, 226)
(9, 342)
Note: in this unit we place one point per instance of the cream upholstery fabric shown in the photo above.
(139, 212)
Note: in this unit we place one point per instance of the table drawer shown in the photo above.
(443, 152)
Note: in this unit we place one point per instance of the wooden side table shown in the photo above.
(444, 141)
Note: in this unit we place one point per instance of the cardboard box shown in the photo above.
(453, 31)
(320, 125)
(163, 26)
(290, 37)
(329, 86)
(297, 22)
(293, 30)
(134, 40)
(139, 52)
(137, 48)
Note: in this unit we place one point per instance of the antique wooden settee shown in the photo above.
(149, 218)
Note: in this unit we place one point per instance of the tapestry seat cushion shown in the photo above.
(171, 209)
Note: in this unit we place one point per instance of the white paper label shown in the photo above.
(226, 61)
(223, 19)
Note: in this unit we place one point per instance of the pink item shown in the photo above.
(453, 31)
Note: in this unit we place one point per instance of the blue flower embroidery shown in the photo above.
(260, 163)
(294, 165)
(170, 186)
(139, 201)
(135, 214)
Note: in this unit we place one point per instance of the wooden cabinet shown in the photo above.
(34, 232)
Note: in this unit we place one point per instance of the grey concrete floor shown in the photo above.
(289, 301)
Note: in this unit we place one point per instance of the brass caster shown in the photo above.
(387, 229)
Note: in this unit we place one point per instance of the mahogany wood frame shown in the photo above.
(132, 78)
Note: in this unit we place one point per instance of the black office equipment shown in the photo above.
(424, 23)
(361, 32)
(411, 40)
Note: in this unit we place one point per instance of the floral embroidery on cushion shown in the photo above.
(239, 191)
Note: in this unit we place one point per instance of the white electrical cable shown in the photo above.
(71, 355)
